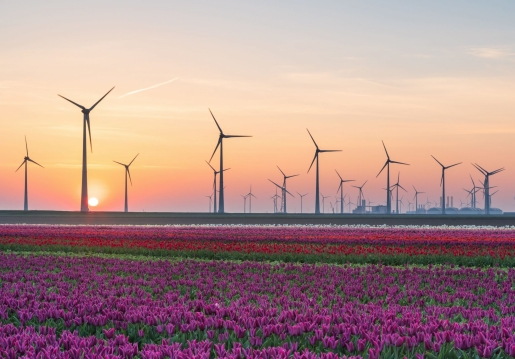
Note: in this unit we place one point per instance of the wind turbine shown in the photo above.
(283, 189)
(442, 182)
(490, 205)
(221, 207)
(397, 185)
(336, 201)
(360, 193)
(317, 191)
(284, 185)
(416, 198)
(471, 194)
(244, 203)
(214, 184)
(250, 195)
(401, 203)
(127, 172)
(323, 201)
(340, 188)
(210, 201)
(84, 192)
(387, 164)
(487, 184)
(301, 195)
(26, 159)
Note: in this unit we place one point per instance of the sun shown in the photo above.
(93, 201)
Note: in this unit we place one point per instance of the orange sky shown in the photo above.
(426, 81)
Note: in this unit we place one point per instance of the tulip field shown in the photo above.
(256, 292)
(308, 244)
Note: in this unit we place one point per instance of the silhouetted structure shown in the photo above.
(26, 159)
(487, 184)
(284, 185)
(283, 189)
(317, 191)
(442, 182)
(84, 207)
(340, 188)
(301, 196)
(387, 164)
(221, 207)
(127, 172)
(214, 184)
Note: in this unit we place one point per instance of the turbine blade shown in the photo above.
(292, 176)
(218, 144)
(330, 151)
(227, 169)
(119, 163)
(89, 131)
(481, 169)
(129, 173)
(281, 171)
(382, 168)
(314, 158)
(231, 136)
(35, 162)
(211, 166)
(276, 184)
(497, 171)
(340, 186)
(253, 195)
(403, 188)
(400, 163)
(133, 160)
(96, 103)
(21, 165)
(437, 161)
(341, 179)
(217, 125)
(363, 185)
(453, 165)
(76, 104)
(26, 146)
(387, 156)
(312, 139)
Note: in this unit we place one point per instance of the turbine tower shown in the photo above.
(442, 182)
(340, 188)
(301, 196)
(84, 192)
(250, 195)
(323, 202)
(25, 161)
(397, 185)
(221, 207)
(360, 194)
(317, 191)
(283, 189)
(214, 184)
(487, 184)
(387, 164)
(284, 185)
(127, 172)
(416, 198)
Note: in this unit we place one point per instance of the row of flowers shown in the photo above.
(98, 307)
(388, 245)
(362, 235)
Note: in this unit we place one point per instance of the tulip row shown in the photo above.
(331, 244)
(72, 307)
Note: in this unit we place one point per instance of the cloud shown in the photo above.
(489, 52)
(148, 88)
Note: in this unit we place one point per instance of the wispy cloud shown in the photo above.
(148, 88)
(490, 52)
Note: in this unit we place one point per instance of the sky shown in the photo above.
(428, 78)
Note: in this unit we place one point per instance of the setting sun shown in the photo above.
(93, 201)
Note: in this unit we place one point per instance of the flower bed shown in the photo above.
(388, 245)
(53, 306)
